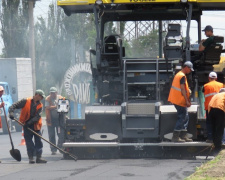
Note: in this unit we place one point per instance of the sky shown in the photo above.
(41, 8)
(214, 18)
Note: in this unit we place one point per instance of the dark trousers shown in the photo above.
(57, 127)
(216, 117)
(52, 130)
(35, 146)
(208, 126)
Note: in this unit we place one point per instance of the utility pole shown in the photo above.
(31, 40)
(118, 28)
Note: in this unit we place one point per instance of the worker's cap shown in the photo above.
(222, 90)
(189, 64)
(208, 28)
(40, 92)
(1, 88)
(53, 89)
(212, 75)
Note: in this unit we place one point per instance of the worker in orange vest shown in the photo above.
(216, 115)
(30, 116)
(179, 96)
(210, 89)
(2, 103)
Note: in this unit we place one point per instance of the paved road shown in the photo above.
(118, 169)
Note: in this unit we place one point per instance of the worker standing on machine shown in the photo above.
(179, 96)
(205, 43)
(210, 89)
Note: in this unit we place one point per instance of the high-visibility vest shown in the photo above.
(175, 95)
(218, 101)
(25, 114)
(48, 112)
(210, 89)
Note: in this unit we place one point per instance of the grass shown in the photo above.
(201, 172)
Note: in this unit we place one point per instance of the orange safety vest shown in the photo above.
(48, 112)
(175, 96)
(210, 89)
(25, 114)
(218, 101)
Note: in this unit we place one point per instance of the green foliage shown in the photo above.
(202, 171)
(53, 44)
(52, 49)
(122, 27)
(109, 29)
(14, 31)
(53, 38)
(146, 46)
(128, 49)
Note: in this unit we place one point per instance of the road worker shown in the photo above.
(205, 43)
(52, 118)
(216, 115)
(30, 116)
(1, 93)
(210, 89)
(179, 96)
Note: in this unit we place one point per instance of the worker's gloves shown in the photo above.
(28, 123)
(11, 115)
(190, 91)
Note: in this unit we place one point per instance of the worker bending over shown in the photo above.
(30, 116)
(216, 115)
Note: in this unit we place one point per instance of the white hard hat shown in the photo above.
(1, 88)
(222, 90)
(212, 75)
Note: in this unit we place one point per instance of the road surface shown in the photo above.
(106, 169)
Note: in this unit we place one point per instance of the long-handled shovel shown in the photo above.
(64, 152)
(15, 153)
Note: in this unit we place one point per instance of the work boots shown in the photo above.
(176, 137)
(183, 136)
(40, 160)
(31, 160)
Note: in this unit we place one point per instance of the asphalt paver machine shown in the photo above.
(132, 117)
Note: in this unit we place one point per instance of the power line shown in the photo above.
(42, 10)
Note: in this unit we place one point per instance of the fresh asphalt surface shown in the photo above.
(59, 169)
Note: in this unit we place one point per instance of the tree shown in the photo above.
(53, 44)
(52, 39)
(52, 50)
(146, 46)
(14, 22)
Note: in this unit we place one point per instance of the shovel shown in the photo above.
(15, 153)
(64, 152)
